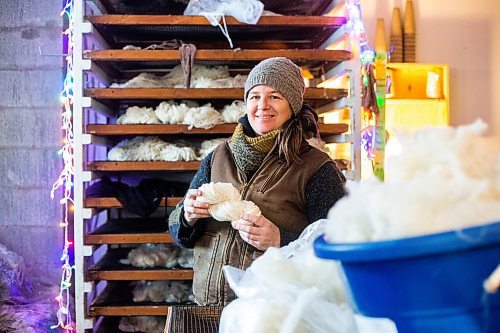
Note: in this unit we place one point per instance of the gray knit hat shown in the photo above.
(281, 74)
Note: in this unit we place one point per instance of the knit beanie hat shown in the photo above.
(281, 74)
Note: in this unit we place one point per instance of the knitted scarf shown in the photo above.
(249, 149)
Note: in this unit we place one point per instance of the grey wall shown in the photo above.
(30, 133)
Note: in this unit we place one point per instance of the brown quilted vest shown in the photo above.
(277, 190)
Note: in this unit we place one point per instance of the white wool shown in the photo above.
(162, 291)
(136, 149)
(208, 145)
(143, 80)
(144, 324)
(150, 148)
(156, 255)
(185, 258)
(234, 111)
(445, 179)
(174, 153)
(176, 77)
(202, 117)
(225, 203)
(213, 193)
(231, 210)
(170, 112)
(131, 47)
(138, 115)
(239, 80)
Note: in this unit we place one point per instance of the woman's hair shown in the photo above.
(299, 127)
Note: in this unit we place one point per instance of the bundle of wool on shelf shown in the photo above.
(444, 179)
(159, 255)
(163, 291)
(201, 77)
(207, 146)
(225, 203)
(144, 324)
(150, 148)
(138, 115)
(234, 111)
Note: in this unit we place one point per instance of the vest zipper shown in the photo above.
(272, 177)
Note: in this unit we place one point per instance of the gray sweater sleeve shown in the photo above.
(323, 190)
(184, 235)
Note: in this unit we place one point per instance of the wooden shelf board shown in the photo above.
(99, 129)
(130, 231)
(302, 55)
(104, 203)
(174, 20)
(110, 268)
(225, 129)
(143, 166)
(117, 300)
(145, 274)
(199, 93)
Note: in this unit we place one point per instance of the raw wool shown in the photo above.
(208, 145)
(204, 116)
(225, 202)
(138, 115)
(158, 255)
(143, 80)
(288, 290)
(162, 291)
(176, 76)
(150, 148)
(234, 111)
(144, 324)
(139, 148)
(445, 179)
(213, 193)
(173, 153)
(171, 113)
(231, 210)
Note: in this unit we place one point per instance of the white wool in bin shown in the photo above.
(444, 179)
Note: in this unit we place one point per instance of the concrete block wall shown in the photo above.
(30, 135)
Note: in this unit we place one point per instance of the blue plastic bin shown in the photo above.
(426, 284)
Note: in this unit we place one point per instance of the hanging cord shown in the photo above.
(187, 54)
(214, 19)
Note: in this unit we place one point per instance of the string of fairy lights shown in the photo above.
(65, 180)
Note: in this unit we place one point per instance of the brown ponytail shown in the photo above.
(302, 126)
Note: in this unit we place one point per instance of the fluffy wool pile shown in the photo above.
(444, 179)
(144, 324)
(225, 203)
(186, 112)
(201, 77)
(163, 291)
(152, 148)
(159, 255)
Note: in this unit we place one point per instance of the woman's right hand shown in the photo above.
(193, 209)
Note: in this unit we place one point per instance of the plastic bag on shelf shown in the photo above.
(246, 11)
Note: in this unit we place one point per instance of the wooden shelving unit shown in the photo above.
(103, 229)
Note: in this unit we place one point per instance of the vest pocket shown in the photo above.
(204, 280)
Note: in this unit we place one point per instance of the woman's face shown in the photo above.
(267, 109)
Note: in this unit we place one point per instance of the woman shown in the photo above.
(270, 162)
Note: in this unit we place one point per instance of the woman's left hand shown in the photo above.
(258, 231)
